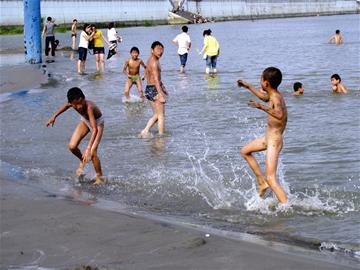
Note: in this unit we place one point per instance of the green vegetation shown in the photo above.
(11, 30)
(148, 23)
(61, 28)
(19, 29)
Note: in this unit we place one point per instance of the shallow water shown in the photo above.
(195, 172)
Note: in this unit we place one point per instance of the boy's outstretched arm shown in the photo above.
(277, 111)
(51, 121)
(262, 95)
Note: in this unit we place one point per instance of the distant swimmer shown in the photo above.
(272, 141)
(132, 71)
(155, 90)
(337, 86)
(91, 119)
(298, 89)
(337, 38)
(212, 50)
(184, 44)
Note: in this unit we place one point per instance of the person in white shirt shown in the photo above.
(112, 35)
(85, 37)
(184, 43)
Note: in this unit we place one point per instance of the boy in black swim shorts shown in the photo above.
(155, 91)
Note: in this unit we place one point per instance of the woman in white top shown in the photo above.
(184, 43)
(112, 34)
(83, 47)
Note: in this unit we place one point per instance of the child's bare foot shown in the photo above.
(145, 135)
(262, 189)
(80, 170)
(99, 180)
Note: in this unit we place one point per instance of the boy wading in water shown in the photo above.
(155, 91)
(272, 141)
(132, 70)
(91, 119)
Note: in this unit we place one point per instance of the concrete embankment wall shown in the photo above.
(134, 11)
(232, 9)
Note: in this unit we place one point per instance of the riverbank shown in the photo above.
(156, 12)
(40, 229)
(19, 77)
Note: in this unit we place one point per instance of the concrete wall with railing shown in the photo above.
(232, 9)
(64, 11)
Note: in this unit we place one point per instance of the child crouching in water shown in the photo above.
(91, 119)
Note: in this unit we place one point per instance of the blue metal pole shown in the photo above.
(32, 31)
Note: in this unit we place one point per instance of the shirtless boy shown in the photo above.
(73, 34)
(272, 141)
(337, 86)
(91, 119)
(155, 91)
(132, 71)
(337, 38)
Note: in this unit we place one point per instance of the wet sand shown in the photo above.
(39, 229)
(15, 78)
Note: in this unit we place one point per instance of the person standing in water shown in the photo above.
(48, 32)
(212, 50)
(85, 36)
(99, 50)
(132, 70)
(183, 42)
(155, 91)
(272, 141)
(73, 34)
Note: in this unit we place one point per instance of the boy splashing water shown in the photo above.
(91, 119)
(272, 141)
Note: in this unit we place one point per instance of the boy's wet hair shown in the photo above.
(184, 28)
(111, 25)
(337, 31)
(74, 20)
(273, 76)
(207, 32)
(49, 19)
(156, 43)
(297, 86)
(336, 77)
(74, 94)
(134, 49)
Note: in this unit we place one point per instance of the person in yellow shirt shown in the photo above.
(99, 50)
(211, 49)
